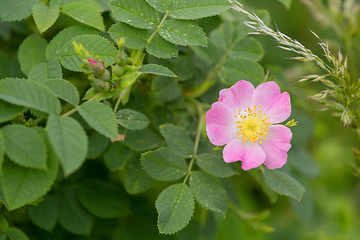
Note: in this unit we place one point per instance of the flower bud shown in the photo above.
(119, 70)
(121, 58)
(100, 85)
(96, 66)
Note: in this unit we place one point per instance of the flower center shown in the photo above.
(252, 125)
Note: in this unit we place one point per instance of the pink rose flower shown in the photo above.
(245, 120)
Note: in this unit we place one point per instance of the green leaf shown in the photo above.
(135, 13)
(116, 156)
(44, 16)
(100, 117)
(240, 68)
(102, 199)
(61, 3)
(257, 174)
(131, 119)
(84, 13)
(215, 165)
(54, 49)
(63, 89)
(97, 145)
(42, 72)
(164, 165)
(69, 141)
(166, 89)
(29, 94)
(183, 33)
(177, 140)
(142, 140)
(175, 206)
(46, 214)
(22, 186)
(248, 48)
(136, 180)
(2, 149)
(31, 52)
(208, 192)
(25, 146)
(157, 69)
(8, 111)
(134, 37)
(161, 48)
(95, 44)
(73, 217)
(15, 10)
(2, 236)
(287, 3)
(190, 9)
(16, 234)
(283, 183)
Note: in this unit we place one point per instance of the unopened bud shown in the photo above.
(119, 70)
(96, 66)
(100, 85)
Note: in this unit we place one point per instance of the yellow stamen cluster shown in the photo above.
(252, 125)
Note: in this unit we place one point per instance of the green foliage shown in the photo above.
(92, 193)
(22, 185)
(164, 165)
(8, 111)
(116, 93)
(31, 52)
(135, 13)
(69, 142)
(188, 9)
(72, 216)
(177, 140)
(44, 16)
(46, 213)
(136, 180)
(209, 193)
(56, 45)
(42, 72)
(16, 234)
(161, 48)
(64, 90)
(157, 69)
(175, 206)
(134, 37)
(131, 119)
(100, 117)
(25, 146)
(241, 68)
(98, 45)
(16, 10)
(166, 89)
(215, 165)
(283, 184)
(29, 94)
(116, 156)
(84, 13)
(183, 33)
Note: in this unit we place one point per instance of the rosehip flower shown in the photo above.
(246, 120)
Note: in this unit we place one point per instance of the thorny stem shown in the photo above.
(197, 140)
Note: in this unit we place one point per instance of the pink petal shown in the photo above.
(249, 153)
(220, 124)
(276, 146)
(276, 105)
(238, 96)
